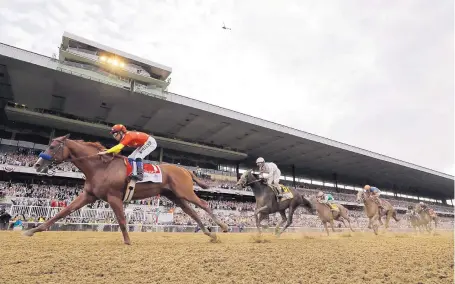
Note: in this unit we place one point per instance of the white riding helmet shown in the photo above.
(260, 160)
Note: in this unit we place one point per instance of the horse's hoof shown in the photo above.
(127, 242)
(214, 238)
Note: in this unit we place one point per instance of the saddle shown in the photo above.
(333, 207)
(286, 193)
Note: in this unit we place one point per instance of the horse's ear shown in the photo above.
(67, 136)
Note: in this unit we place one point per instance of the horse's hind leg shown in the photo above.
(183, 188)
(283, 221)
(349, 222)
(193, 214)
(289, 221)
(193, 198)
(188, 210)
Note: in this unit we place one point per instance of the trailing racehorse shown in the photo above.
(415, 220)
(266, 202)
(327, 215)
(427, 216)
(107, 180)
(374, 213)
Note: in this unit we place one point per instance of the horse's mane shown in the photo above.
(96, 145)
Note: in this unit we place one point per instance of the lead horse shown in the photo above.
(106, 179)
(266, 202)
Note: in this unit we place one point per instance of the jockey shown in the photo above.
(271, 173)
(424, 207)
(374, 192)
(144, 144)
(326, 199)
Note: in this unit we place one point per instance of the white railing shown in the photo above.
(147, 214)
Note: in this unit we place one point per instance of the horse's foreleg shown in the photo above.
(370, 223)
(326, 227)
(259, 216)
(387, 219)
(83, 199)
(374, 224)
(380, 218)
(332, 225)
(117, 206)
(283, 221)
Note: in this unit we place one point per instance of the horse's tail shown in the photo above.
(198, 181)
(394, 215)
(308, 204)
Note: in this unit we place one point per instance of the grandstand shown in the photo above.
(90, 87)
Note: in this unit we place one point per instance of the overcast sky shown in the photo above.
(374, 74)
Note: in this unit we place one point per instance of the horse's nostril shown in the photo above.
(37, 165)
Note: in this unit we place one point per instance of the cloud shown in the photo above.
(375, 75)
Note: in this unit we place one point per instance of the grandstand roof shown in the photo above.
(36, 83)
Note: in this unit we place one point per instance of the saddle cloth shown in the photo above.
(152, 173)
(287, 193)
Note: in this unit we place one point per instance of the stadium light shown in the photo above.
(112, 61)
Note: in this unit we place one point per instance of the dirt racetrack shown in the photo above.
(97, 257)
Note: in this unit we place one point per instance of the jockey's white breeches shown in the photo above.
(144, 150)
(273, 178)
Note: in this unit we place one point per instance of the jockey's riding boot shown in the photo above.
(278, 190)
(140, 169)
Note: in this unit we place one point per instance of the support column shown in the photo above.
(293, 175)
(13, 135)
(52, 135)
(237, 170)
(161, 155)
(335, 181)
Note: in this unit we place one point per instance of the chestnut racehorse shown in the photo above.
(106, 179)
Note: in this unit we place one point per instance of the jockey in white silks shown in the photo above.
(271, 173)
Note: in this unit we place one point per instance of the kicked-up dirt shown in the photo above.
(98, 257)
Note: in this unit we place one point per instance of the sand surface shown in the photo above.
(98, 257)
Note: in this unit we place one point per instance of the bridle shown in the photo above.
(58, 150)
(243, 184)
(53, 153)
